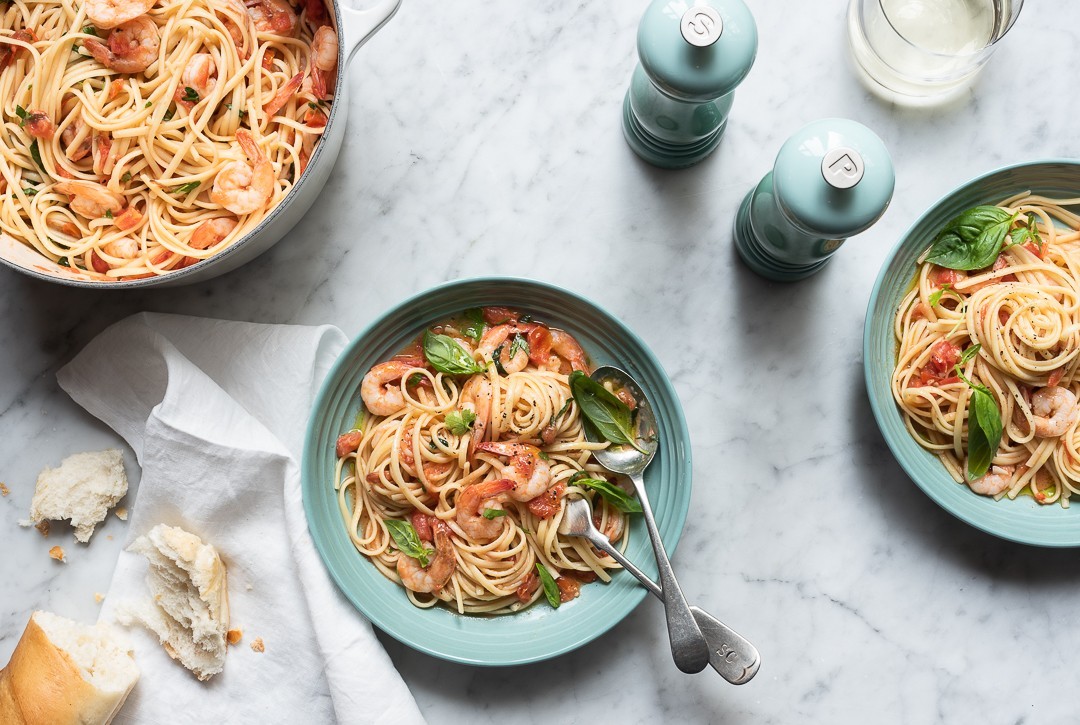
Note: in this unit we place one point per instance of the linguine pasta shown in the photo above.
(414, 465)
(138, 147)
(1024, 316)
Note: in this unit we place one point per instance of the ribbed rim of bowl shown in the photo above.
(1021, 520)
(538, 632)
(171, 277)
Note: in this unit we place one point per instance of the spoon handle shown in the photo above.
(730, 654)
(688, 646)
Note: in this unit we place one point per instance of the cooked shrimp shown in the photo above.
(244, 188)
(433, 577)
(231, 20)
(211, 232)
(495, 340)
(994, 481)
(468, 515)
(324, 58)
(315, 14)
(89, 199)
(76, 139)
(529, 472)
(124, 248)
(200, 75)
(565, 346)
(476, 397)
(111, 13)
(272, 16)
(283, 95)
(380, 390)
(1054, 411)
(132, 46)
(39, 125)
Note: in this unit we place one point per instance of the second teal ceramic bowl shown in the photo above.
(1022, 520)
(540, 631)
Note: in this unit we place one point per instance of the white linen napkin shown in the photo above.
(216, 413)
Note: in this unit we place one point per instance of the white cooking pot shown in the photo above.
(354, 28)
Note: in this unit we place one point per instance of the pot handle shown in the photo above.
(359, 25)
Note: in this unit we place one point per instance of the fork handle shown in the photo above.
(688, 646)
(730, 654)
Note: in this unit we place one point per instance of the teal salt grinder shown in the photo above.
(831, 180)
(692, 55)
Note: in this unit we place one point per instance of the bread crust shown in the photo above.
(41, 685)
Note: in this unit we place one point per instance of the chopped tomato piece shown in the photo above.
(315, 118)
(547, 504)
(943, 356)
(539, 339)
(499, 315)
(568, 588)
(129, 218)
(527, 587)
(100, 265)
(1036, 249)
(942, 276)
(423, 523)
(1055, 377)
(348, 442)
(582, 576)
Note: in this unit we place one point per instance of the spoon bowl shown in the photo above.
(623, 458)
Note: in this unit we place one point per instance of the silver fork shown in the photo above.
(730, 653)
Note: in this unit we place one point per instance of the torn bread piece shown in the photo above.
(189, 605)
(83, 489)
(66, 673)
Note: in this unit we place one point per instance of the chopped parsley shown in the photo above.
(187, 188)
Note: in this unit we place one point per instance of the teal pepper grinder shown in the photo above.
(831, 180)
(692, 55)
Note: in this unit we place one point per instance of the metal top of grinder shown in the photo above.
(701, 26)
(842, 168)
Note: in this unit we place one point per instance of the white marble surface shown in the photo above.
(485, 139)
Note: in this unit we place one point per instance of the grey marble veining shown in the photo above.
(484, 138)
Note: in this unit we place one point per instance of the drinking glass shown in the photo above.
(926, 48)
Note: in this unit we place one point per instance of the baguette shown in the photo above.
(66, 673)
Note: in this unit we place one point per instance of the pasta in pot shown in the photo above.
(143, 136)
(1012, 330)
(453, 484)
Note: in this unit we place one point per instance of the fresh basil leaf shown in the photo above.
(460, 421)
(447, 356)
(965, 357)
(551, 589)
(190, 95)
(63, 262)
(526, 318)
(563, 409)
(414, 379)
(544, 456)
(610, 416)
(408, 541)
(148, 104)
(108, 214)
(169, 115)
(984, 431)
(90, 30)
(935, 297)
(972, 240)
(496, 357)
(187, 188)
(22, 114)
(519, 343)
(312, 106)
(1027, 233)
(126, 177)
(490, 514)
(29, 191)
(611, 493)
(35, 154)
(474, 325)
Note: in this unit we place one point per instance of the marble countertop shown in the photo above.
(485, 139)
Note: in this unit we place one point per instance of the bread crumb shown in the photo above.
(57, 553)
(233, 636)
(43, 527)
(121, 513)
(257, 645)
(108, 537)
(4, 490)
(99, 597)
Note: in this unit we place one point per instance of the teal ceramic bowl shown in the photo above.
(1021, 520)
(538, 632)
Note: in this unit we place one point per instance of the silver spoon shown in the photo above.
(688, 646)
(730, 653)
